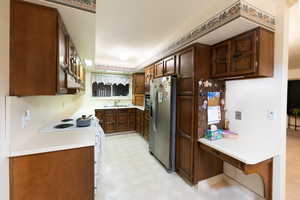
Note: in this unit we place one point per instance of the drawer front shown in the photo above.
(109, 112)
(123, 111)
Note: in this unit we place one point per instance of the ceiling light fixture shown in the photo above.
(88, 63)
(124, 57)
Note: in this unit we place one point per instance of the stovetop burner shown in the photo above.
(62, 126)
(67, 120)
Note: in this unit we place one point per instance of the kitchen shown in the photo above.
(37, 99)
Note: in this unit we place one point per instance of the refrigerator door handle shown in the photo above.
(154, 113)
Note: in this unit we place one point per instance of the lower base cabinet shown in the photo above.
(124, 119)
(116, 120)
(60, 175)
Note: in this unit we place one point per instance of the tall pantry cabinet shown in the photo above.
(193, 63)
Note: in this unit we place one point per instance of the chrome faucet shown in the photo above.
(116, 102)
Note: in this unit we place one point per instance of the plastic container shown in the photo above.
(214, 135)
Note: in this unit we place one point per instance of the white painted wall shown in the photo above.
(4, 66)
(254, 98)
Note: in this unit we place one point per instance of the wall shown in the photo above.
(43, 109)
(4, 66)
(254, 98)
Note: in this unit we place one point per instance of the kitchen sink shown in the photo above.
(116, 106)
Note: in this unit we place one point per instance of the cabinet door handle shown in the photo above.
(237, 54)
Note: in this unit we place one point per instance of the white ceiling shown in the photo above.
(138, 29)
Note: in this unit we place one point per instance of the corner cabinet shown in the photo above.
(39, 49)
(116, 120)
(248, 55)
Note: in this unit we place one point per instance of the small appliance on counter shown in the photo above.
(84, 121)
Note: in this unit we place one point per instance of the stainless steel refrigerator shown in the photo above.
(163, 120)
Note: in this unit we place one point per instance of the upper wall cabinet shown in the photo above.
(159, 69)
(249, 55)
(138, 86)
(170, 65)
(39, 51)
(149, 75)
(165, 67)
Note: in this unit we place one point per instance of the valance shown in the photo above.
(108, 79)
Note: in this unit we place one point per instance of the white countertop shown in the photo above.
(250, 150)
(113, 107)
(56, 141)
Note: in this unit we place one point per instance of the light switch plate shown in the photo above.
(238, 115)
(270, 115)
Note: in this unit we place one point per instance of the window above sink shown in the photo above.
(111, 86)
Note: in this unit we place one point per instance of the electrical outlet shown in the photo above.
(238, 115)
(270, 115)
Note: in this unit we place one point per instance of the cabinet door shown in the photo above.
(34, 50)
(159, 69)
(170, 66)
(221, 59)
(109, 121)
(184, 136)
(132, 119)
(122, 120)
(185, 72)
(243, 54)
(147, 79)
(67, 174)
(138, 100)
(63, 41)
(139, 83)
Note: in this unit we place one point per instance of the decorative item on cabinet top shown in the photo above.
(86, 5)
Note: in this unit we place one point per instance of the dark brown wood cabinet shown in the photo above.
(140, 122)
(138, 99)
(149, 75)
(138, 86)
(248, 55)
(39, 51)
(146, 124)
(170, 65)
(116, 120)
(138, 89)
(159, 69)
(221, 59)
(67, 174)
(193, 64)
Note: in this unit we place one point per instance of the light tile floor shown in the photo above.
(129, 172)
(293, 165)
